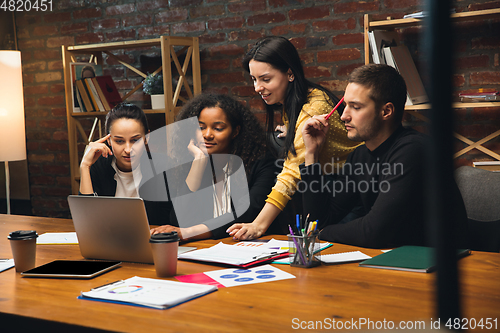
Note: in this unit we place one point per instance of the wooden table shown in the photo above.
(345, 293)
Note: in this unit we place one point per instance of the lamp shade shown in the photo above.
(12, 132)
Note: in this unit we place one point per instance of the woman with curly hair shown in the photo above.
(227, 129)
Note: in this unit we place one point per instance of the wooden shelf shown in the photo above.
(389, 24)
(457, 17)
(460, 105)
(457, 105)
(188, 46)
(90, 48)
(103, 114)
(88, 114)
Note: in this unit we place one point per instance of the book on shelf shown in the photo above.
(487, 165)
(102, 97)
(147, 292)
(481, 96)
(74, 97)
(98, 103)
(76, 70)
(379, 39)
(90, 94)
(109, 90)
(82, 90)
(400, 58)
(97, 94)
(81, 105)
(408, 258)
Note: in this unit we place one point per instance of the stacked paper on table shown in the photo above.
(234, 255)
(5, 264)
(338, 258)
(153, 293)
(51, 238)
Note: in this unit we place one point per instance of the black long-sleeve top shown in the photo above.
(388, 183)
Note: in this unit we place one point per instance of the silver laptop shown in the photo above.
(111, 228)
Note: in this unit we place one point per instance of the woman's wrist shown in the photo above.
(199, 231)
(310, 158)
(262, 224)
(199, 156)
(84, 166)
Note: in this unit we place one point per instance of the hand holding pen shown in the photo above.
(314, 134)
(335, 108)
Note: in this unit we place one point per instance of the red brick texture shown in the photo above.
(327, 34)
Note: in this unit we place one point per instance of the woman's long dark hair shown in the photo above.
(128, 111)
(249, 144)
(280, 53)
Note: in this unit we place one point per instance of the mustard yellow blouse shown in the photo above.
(332, 155)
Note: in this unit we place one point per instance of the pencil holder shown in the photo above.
(301, 250)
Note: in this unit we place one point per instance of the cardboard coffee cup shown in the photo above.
(23, 245)
(164, 247)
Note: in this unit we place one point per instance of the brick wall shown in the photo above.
(328, 35)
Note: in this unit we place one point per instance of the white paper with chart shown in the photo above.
(237, 277)
(155, 293)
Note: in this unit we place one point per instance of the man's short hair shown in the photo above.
(386, 85)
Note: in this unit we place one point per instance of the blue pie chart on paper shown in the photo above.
(229, 276)
(246, 279)
(264, 271)
(266, 276)
(242, 271)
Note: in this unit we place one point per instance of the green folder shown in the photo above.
(408, 258)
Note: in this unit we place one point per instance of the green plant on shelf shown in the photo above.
(153, 84)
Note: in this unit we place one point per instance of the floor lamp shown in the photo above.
(12, 132)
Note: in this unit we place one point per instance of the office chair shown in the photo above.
(480, 190)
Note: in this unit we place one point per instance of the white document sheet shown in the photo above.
(50, 238)
(5, 264)
(338, 258)
(237, 277)
(155, 293)
(230, 254)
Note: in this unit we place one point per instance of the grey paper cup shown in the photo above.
(164, 247)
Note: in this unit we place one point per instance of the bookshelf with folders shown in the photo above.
(387, 49)
(372, 28)
(92, 91)
(92, 96)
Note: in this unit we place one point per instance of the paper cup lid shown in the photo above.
(166, 237)
(22, 235)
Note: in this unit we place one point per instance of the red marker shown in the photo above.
(335, 108)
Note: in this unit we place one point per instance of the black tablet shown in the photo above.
(71, 269)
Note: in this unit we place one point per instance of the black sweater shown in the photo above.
(389, 185)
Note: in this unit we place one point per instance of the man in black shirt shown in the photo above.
(386, 176)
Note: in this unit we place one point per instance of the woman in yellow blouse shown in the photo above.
(276, 70)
